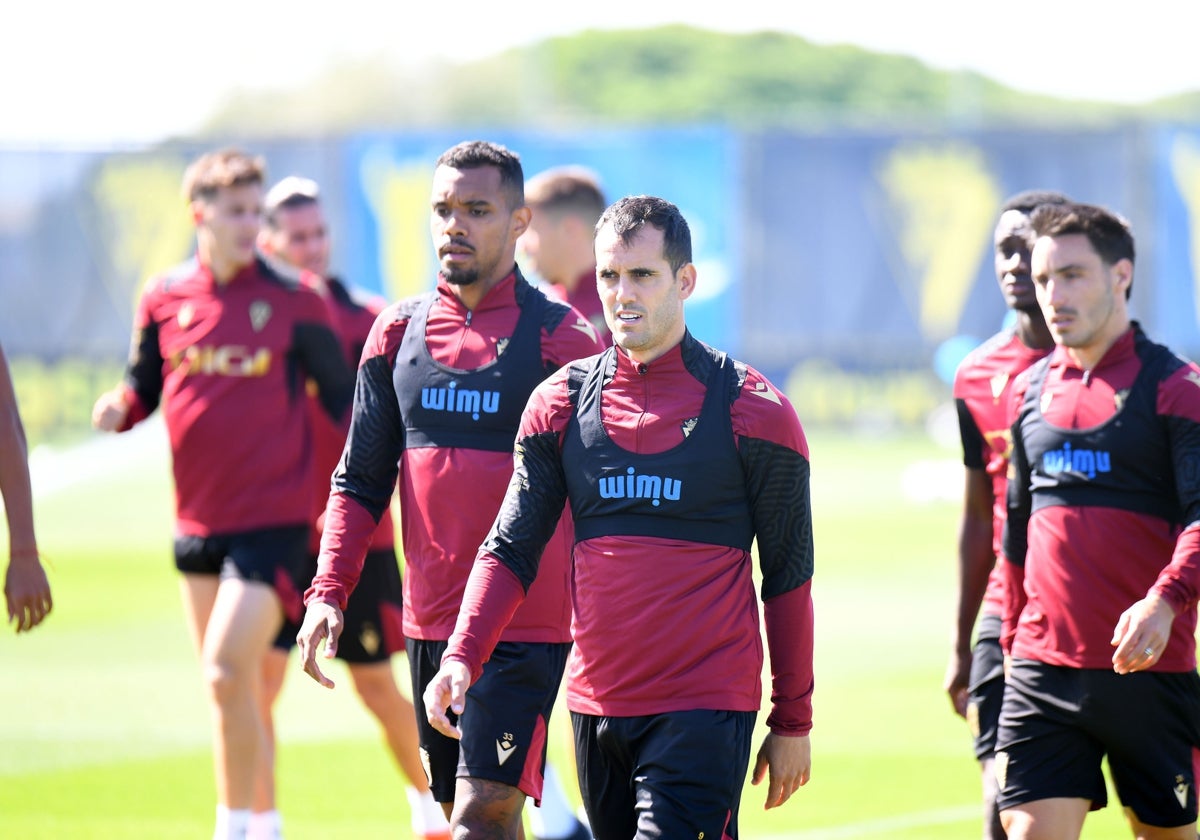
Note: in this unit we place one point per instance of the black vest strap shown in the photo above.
(694, 492)
(469, 409)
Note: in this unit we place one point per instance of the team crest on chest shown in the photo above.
(1119, 398)
(186, 313)
(260, 313)
(501, 346)
(688, 425)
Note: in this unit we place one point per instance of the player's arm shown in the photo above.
(26, 589)
(1146, 625)
(976, 556)
(362, 488)
(774, 455)
(322, 356)
(139, 393)
(1019, 503)
(509, 557)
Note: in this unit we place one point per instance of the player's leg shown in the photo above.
(199, 559)
(1048, 763)
(265, 822)
(605, 767)
(483, 808)
(690, 768)
(376, 686)
(985, 693)
(244, 620)
(1046, 819)
(503, 745)
(1151, 727)
(439, 754)
(257, 581)
(373, 631)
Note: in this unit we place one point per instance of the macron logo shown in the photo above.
(505, 746)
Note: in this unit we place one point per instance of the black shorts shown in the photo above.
(374, 614)
(505, 720)
(1057, 724)
(274, 556)
(986, 688)
(675, 774)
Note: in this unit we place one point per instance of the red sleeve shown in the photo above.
(1179, 583)
(573, 338)
(492, 595)
(789, 624)
(348, 530)
(1012, 583)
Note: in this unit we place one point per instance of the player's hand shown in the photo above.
(321, 622)
(787, 759)
(27, 592)
(958, 677)
(110, 411)
(448, 688)
(1141, 634)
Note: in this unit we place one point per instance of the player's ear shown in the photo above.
(686, 276)
(520, 221)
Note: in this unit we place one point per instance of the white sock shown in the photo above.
(427, 814)
(231, 823)
(265, 825)
(555, 818)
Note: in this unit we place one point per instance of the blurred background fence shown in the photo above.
(855, 266)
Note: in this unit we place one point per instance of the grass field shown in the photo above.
(104, 731)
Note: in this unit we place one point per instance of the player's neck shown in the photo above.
(1032, 330)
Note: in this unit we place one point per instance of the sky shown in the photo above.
(82, 73)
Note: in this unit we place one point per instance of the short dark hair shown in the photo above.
(225, 168)
(472, 154)
(1108, 233)
(1029, 200)
(628, 215)
(290, 193)
(567, 191)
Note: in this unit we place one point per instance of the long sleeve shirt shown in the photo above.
(663, 624)
(448, 494)
(1103, 503)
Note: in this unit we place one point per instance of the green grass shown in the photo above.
(105, 730)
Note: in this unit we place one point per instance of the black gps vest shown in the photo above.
(443, 406)
(1124, 462)
(695, 491)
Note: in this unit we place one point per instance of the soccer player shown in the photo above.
(226, 343)
(26, 589)
(982, 384)
(675, 459)
(566, 202)
(295, 230)
(1101, 553)
(441, 385)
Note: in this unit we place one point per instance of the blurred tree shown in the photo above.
(665, 75)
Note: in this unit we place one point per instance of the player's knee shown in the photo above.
(481, 806)
(226, 680)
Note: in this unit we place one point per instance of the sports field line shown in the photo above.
(881, 828)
